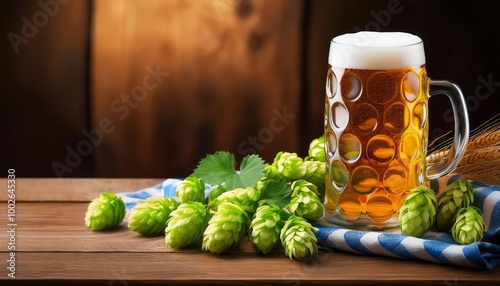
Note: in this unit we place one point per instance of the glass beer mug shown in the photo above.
(376, 127)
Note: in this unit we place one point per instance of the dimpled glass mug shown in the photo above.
(376, 127)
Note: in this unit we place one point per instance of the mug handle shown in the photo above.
(461, 137)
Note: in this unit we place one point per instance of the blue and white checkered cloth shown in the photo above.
(434, 246)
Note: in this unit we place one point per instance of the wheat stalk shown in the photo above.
(481, 160)
(480, 156)
(481, 166)
(484, 140)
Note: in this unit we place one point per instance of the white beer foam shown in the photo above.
(376, 50)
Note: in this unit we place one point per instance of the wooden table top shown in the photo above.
(54, 247)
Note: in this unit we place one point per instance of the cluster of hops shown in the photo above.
(233, 210)
(274, 211)
(270, 216)
(457, 195)
(292, 167)
(182, 221)
(272, 226)
(451, 212)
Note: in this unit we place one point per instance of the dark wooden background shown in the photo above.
(236, 75)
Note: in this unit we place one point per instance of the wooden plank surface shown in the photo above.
(51, 189)
(54, 245)
(226, 71)
(60, 227)
(334, 269)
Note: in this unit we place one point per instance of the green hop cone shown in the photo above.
(265, 228)
(315, 173)
(105, 212)
(226, 228)
(303, 186)
(305, 201)
(306, 206)
(418, 212)
(192, 189)
(149, 216)
(290, 165)
(186, 225)
(270, 173)
(298, 239)
(317, 150)
(216, 192)
(469, 226)
(458, 194)
(247, 198)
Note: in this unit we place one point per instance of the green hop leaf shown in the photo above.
(149, 216)
(265, 228)
(192, 189)
(186, 225)
(298, 239)
(219, 168)
(305, 201)
(246, 198)
(275, 192)
(418, 212)
(458, 194)
(226, 228)
(469, 226)
(105, 212)
(262, 184)
(317, 150)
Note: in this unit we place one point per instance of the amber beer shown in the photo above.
(375, 127)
